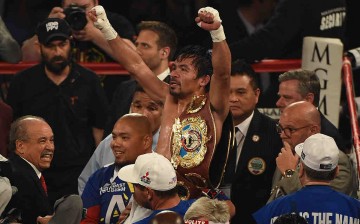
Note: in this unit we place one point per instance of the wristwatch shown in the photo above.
(288, 173)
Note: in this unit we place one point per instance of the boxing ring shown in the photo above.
(262, 66)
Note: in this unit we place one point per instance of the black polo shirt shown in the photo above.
(71, 109)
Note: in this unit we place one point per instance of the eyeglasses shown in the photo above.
(288, 131)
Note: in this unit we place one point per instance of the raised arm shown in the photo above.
(128, 57)
(209, 19)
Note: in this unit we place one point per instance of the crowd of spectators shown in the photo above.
(58, 112)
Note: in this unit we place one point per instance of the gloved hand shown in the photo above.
(209, 19)
(102, 23)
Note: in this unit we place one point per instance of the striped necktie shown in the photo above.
(239, 138)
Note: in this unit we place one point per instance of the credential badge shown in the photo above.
(256, 166)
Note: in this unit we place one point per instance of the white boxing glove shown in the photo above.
(216, 35)
(103, 24)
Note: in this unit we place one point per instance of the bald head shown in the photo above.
(138, 122)
(167, 217)
(299, 121)
(303, 111)
(131, 137)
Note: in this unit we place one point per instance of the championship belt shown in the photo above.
(193, 148)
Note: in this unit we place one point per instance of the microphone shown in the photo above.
(14, 190)
(11, 216)
(354, 55)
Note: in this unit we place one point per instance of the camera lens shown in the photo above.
(76, 17)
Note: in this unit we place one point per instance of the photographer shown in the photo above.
(89, 41)
(88, 33)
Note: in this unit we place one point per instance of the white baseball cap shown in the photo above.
(150, 170)
(319, 152)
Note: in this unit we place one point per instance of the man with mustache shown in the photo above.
(32, 148)
(156, 44)
(195, 105)
(69, 97)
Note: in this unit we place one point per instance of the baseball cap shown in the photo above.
(319, 152)
(150, 170)
(51, 28)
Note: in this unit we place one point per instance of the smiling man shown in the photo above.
(142, 104)
(69, 97)
(105, 195)
(32, 144)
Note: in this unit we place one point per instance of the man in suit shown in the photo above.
(298, 121)
(156, 44)
(69, 97)
(252, 161)
(317, 202)
(298, 85)
(32, 144)
(243, 17)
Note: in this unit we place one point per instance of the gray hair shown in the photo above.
(308, 82)
(18, 130)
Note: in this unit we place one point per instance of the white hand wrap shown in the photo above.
(103, 24)
(216, 35)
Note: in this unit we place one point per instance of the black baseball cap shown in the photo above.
(52, 28)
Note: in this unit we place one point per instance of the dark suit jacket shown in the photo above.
(121, 102)
(327, 128)
(251, 187)
(30, 198)
(234, 27)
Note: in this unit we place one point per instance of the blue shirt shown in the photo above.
(106, 190)
(181, 209)
(102, 156)
(318, 204)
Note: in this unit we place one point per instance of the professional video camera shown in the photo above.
(75, 16)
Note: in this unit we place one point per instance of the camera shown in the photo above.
(76, 17)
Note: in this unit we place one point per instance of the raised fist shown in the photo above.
(98, 16)
(209, 19)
